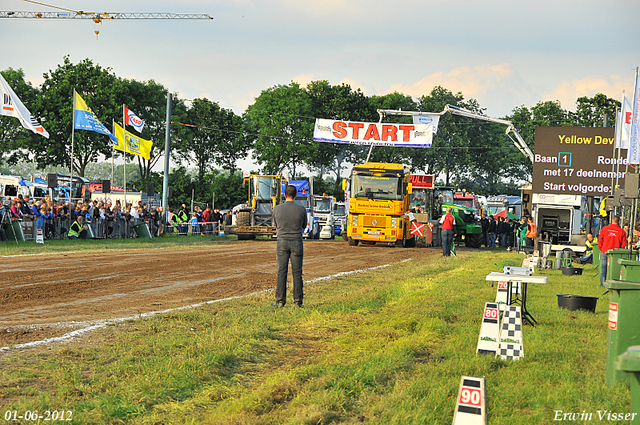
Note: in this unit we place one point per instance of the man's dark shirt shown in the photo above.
(290, 219)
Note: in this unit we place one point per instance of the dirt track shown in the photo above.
(76, 287)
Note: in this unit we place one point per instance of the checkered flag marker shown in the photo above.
(511, 343)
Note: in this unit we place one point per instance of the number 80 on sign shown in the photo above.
(490, 313)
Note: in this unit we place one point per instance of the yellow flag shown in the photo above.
(130, 143)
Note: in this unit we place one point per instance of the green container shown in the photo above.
(629, 270)
(596, 252)
(613, 255)
(624, 325)
(142, 230)
(14, 231)
(629, 362)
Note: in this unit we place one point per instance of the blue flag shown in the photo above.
(85, 119)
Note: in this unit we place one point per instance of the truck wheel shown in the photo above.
(245, 237)
(353, 242)
(344, 235)
(410, 243)
(473, 241)
(244, 218)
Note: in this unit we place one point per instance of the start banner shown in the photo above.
(377, 134)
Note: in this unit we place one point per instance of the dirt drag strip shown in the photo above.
(37, 293)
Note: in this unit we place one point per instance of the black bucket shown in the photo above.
(577, 302)
(571, 271)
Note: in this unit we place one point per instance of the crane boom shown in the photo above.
(519, 142)
(97, 17)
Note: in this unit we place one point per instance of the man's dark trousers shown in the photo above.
(289, 249)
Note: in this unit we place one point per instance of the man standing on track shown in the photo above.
(448, 224)
(290, 219)
(611, 236)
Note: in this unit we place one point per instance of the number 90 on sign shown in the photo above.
(471, 397)
(490, 313)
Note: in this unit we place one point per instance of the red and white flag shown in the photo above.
(133, 120)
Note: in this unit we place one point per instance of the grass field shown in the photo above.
(99, 245)
(385, 347)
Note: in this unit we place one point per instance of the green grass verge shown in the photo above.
(386, 347)
(97, 245)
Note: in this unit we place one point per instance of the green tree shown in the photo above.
(14, 138)
(393, 101)
(280, 125)
(450, 153)
(148, 100)
(102, 91)
(337, 103)
(217, 139)
(590, 112)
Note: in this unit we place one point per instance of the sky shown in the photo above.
(503, 54)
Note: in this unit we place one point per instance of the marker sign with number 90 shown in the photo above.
(471, 397)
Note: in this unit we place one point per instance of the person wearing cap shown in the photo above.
(78, 229)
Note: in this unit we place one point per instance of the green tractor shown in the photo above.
(436, 202)
(467, 225)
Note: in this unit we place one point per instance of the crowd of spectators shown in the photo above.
(210, 221)
(506, 232)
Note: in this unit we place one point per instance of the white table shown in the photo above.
(523, 280)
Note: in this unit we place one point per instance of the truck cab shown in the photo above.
(303, 198)
(323, 215)
(379, 204)
(340, 219)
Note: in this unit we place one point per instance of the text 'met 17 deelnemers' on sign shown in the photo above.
(576, 161)
(377, 134)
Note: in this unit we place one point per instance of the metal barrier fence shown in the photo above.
(58, 228)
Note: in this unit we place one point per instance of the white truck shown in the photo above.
(558, 220)
(323, 215)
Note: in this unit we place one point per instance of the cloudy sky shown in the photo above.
(504, 54)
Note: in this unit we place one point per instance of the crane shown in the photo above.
(519, 142)
(97, 18)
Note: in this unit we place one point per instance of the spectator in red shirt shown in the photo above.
(611, 236)
(448, 224)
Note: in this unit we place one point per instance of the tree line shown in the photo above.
(277, 129)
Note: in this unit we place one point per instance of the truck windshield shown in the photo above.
(302, 201)
(265, 187)
(322, 205)
(373, 187)
(444, 197)
(339, 210)
(464, 202)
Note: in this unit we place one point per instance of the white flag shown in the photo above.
(13, 107)
(428, 119)
(633, 155)
(623, 124)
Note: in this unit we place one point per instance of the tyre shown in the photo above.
(244, 218)
(316, 233)
(473, 241)
(353, 242)
(245, 237)
(410, 243)
(344, 235)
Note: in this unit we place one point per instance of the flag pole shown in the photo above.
(113, 151)
(124, 136)
(73, 131)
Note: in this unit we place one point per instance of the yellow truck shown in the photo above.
(378, 202)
